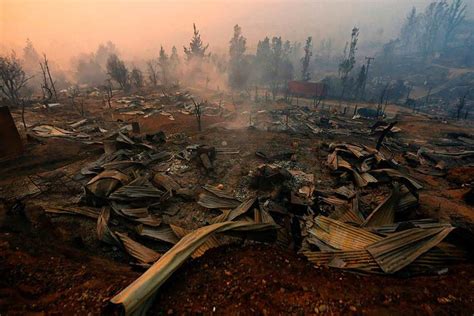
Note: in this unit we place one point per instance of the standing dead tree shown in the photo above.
(72, 94)
(45, 88)
(461, 104)
(306, 60)
(152, 71)
(81, 106)
(369, 60)
(454, 16)
(48, 86)
(26, 99)
(347, 64)
(108, 92)
(12, 78)
(198, 113)
(136, 78)
(383, 95)
(117, 70)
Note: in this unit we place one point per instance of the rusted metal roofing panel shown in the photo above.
(384, 214)
(85, 211)
(418, 223)
(211, 242)
(351, 215)
(220, 218)
(137, 250)
(342, 236)
(138, 189)
(361, 260)
(409, 181)
(345, 191)
(400, 249)
(219, 193)
(136, 295)
(241, 209)
(104, 233)
(165, 234)
(349, 259)
(210, 200)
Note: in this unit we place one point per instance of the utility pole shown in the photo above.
(369, 59)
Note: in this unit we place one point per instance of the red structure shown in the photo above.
(314, 90)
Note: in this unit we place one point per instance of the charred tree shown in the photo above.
(73, 93)
(238, 70)
(48, 83)
(12, 78)
(306, 60)
(196, 47)
(108, 93)
(117, 71)
(347, 64)
(383, 95)
(461, 104)
(152, 71)
(136, 78)
(198, 113)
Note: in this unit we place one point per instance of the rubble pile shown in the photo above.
(376, 240)
(361, 217)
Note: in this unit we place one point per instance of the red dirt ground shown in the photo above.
(266, 280)
(39, 276)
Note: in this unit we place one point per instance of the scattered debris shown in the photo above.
(134, 298)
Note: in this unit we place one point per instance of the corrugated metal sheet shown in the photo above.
(135, 298)
(89, 212)
(419, 223)
(407, 201)
(220, 218)
(345, 191)
(384, 214)
(402, 177)
(342, 236)
(264, 217)
(241, 209)
(400, 249)
(219, 193)
(138, 189)
(361, 260)
(103, 231)
(135, 212)
(211, 242)
(165, 234)
(137, 250)
(355, 259)
(210, 200)
(349, 213)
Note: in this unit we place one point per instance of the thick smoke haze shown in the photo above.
(66, 28)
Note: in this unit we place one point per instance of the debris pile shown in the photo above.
(349, 238)
(360, 217)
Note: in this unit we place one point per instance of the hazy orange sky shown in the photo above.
(65, 28)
